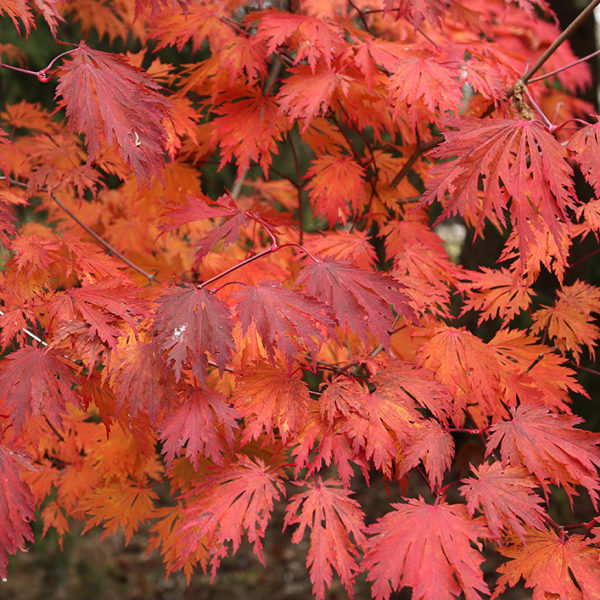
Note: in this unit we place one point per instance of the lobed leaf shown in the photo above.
(361, 301)
(550, 448)
(428, 548)
(16, 509)
(327, 510)
(190, 324)
(33, 381)
(505, 496)
(107, 99)
(285, 320)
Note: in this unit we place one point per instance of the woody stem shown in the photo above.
(577, 21)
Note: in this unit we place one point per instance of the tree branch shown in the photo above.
(577, 21)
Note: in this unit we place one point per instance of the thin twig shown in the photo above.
(560, 69)
(575, 23)
(346, 137)
(412, 159)
(54, 430)
(360, 14)
(237, 266)
(151, 277)
(587, 369)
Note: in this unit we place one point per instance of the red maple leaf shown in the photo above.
(108, 99)
(332, 516)
(198, 207)
(33, 381)
(228, 502)
(103, 305)
(322, 443)
(385, 425)
(428, 548)
(16, 509)
(306, 95)
(336, 188)
(413, 383)
(512, 159)
(313, 39)
(190, 324)
(248, 126)
(154, 6)
(284, 319)
(341, 398)
(417, 11)
(139, 385)
(8, 201)
(549, 447)
(432, 445)
(506, 498)
(50, 10)
(424, 80)
(361, 300)
(19, 12)
(585, 145)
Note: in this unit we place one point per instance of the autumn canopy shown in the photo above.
(223, 290)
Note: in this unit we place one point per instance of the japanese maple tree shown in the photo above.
(224, 294)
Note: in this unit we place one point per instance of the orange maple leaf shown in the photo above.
(428, 548)
(569, 322)
(554, 567)
(336, 187)
(271, 399)
(495, 293)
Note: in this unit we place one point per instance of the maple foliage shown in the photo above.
(228, 291)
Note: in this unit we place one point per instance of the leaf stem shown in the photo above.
(463, 430)
(272, 249)
(42, 74)
(32, 335)
(238, 266)
(54, 430)
(19, 69)
(550, 126)
(588, 256)
(293, 245)
(587, 369)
